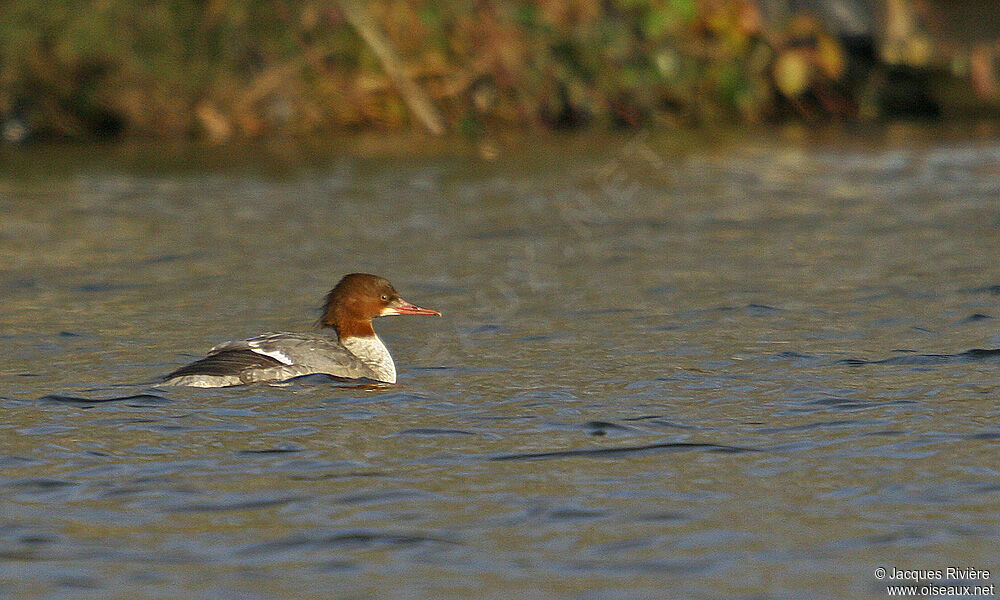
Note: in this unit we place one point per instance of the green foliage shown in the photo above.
(256, 67)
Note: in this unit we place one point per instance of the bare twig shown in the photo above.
(413, 95)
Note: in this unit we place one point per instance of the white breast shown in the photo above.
(373, 353)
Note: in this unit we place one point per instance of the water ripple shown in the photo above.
(974, 355)
(626, 451)
(346, 539)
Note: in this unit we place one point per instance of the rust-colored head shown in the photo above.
(357, 299)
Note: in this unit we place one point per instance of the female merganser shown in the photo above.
(345, 344)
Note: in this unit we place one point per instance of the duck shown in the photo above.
(343, 344)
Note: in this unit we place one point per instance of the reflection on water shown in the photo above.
(757, 372)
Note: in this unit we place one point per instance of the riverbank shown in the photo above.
(225, 71)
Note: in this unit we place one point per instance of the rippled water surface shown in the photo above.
(758, 372)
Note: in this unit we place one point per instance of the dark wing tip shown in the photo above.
(226, 362)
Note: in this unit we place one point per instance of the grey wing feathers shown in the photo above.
(271, 357)
(317, 352)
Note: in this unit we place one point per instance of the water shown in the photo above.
(662, 371)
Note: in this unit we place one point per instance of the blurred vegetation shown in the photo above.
(220, 69)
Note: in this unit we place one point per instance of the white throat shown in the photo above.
(374, 355)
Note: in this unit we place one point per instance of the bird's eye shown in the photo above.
(384, 298)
